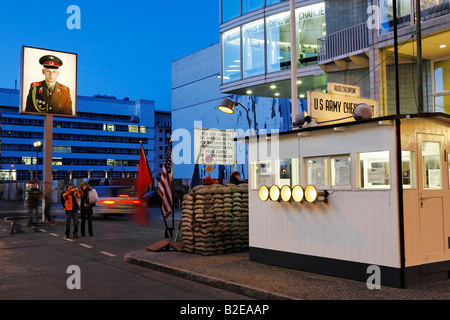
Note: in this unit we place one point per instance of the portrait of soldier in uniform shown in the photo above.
(48, 95)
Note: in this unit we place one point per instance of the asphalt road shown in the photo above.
(42, 265)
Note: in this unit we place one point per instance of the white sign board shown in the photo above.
(214, 146)
(334, 107)
(343, 89)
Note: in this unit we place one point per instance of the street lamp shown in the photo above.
(36, 146)
(227, 106)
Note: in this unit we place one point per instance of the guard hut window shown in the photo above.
(317, 172)
(409, 169)
(261, 174)
(341, 172)
(374, 170)
(287, 172)
(431, 166)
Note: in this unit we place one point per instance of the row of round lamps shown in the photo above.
(286, 193)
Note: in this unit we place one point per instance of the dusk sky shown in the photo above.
(124, 48)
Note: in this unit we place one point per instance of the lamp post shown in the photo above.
(228, 105)
(36, 146)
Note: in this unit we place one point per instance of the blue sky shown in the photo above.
(124, 48)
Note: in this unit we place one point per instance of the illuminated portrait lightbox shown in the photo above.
(49, 82)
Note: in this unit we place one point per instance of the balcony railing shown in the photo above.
(343, 43)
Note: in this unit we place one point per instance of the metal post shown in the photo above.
(294, 89)
(419, 59)
(47, 158)
(399, 153)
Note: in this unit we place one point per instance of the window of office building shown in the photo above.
(231, 54)
(442, 86)
(387, 14)
(230, 9)
(310, 27)
(271, 2)
(251, 5)
(253, 48)
(278, 42)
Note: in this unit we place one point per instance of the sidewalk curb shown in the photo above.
(210, 281)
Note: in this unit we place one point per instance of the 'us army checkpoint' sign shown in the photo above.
(214, 146)
(337, 106)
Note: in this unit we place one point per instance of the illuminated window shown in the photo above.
(231, 54)
(253, 48)
(133, 128)
(374, 171)
(431, 165)
(310, 27)
(287, 172)
(108, 127)
(441, 88)
(278, 42)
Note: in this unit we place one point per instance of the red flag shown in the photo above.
(165, 186)
(143, 182)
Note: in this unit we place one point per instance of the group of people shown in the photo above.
(234, 179)
(74, 200)
(77, 200)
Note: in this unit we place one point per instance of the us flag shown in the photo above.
(165, 185)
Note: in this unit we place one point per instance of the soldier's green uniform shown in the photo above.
(42, 99)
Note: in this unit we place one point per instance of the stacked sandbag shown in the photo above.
(215, 219)
(204, 222)
(187, 223)
(244, 217)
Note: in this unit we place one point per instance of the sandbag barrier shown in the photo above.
(214, 219)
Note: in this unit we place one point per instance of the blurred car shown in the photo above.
(115, 200)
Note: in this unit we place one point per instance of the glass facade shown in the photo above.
(442, 86)
(231, 53)
(266, 43)
(278, 42)
(310, 27)
(251, 5)
(230, 9)
(253, 48)
(405, 12)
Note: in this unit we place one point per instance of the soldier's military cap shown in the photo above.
(51, 62)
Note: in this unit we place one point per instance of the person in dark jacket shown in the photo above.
(235, 176)
(86, 210)
(34, 195)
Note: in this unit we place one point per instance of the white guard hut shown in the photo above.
(365, 217)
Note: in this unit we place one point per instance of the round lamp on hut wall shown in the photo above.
(274, 193)
(297, 193)
(263, 193)
(286, 193)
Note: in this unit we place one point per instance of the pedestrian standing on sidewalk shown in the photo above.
(48, 198)
(71, 208)
(34, 194)
(86, 209)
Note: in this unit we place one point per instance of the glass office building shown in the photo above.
(346, 41)
(102, 142)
